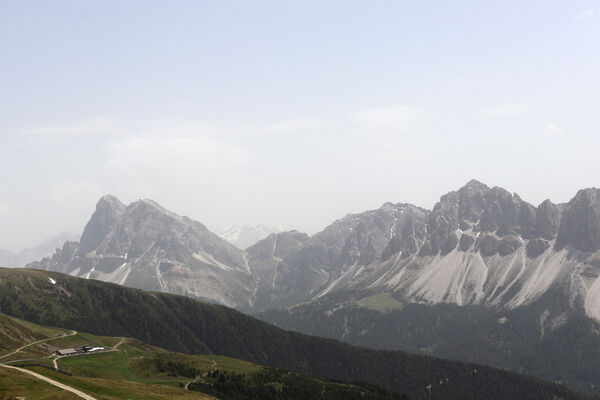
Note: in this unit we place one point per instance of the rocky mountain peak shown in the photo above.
(146, 246)
(109, 210)
(580, 222)
(475, 208)
(148, 205)
(474, 186)
(547, 220)
(361, 238)
(109, 200)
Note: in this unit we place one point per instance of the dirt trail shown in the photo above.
(52, 382)
(55, 360)
(39, 341)
(213, 367)
(42, 377)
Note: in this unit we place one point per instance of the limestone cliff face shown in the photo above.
(580, 223)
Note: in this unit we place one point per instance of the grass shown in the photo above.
(114, 389)
(84, 338)
(38, 353)
(129, 372)
(382, 302)
(15, 384)
(124, 373)
(131, 362)
(231, 364)
(42, 331)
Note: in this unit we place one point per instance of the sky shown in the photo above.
(289, 113)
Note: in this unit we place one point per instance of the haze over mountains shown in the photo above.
(244, 236)
(44, 249)
(479, 245)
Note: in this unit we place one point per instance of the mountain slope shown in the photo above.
(544, 338)
(145, 246)
(332, 259)
(180, 323)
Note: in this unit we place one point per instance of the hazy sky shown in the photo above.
(289, 113)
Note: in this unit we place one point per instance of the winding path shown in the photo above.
(39, 341)
(120, 343)
(42, 377)
(213, 367)
(55, 359)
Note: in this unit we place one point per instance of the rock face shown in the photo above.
(580, 225)
(145, 246)
(276, 280)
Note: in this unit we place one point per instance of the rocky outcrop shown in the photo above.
(108, 213)
(537, 247)
(547, 220)
(580, 222)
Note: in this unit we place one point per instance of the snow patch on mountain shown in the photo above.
(244, 236)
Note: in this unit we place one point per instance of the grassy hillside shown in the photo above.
(130, 369)
(185, 325)
(18, 385)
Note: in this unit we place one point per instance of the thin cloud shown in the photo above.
(551, 129)
(114, 127)
(290, 125)
(592, 13)
(381, 152)
(86, 127)
(4, 210)
(172, 161)
(392, 117)
(504, 110)
(68, 190)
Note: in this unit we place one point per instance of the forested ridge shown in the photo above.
(186, 325)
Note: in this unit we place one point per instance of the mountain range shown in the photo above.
(479, 245)
(483, 277)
